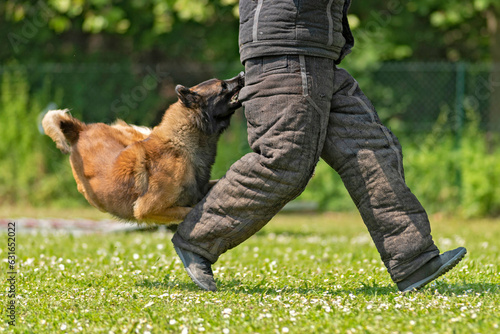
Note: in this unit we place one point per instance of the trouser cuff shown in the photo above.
(402, 270)
(181, 243)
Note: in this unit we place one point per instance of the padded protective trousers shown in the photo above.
(298, 109)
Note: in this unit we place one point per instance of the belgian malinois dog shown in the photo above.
(149, 175)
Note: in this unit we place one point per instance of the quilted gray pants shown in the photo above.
(299, 109)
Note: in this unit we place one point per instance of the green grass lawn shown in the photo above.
(300, 274)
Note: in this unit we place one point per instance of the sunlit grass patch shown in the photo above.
(300, 274)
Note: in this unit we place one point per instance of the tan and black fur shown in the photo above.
(149, 175)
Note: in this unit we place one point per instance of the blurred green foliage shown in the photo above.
(115, 30)
(108, 59)
(207, 30)
(32, 170)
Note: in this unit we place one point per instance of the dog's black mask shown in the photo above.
(214, 100)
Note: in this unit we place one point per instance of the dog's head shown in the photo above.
(214, 101)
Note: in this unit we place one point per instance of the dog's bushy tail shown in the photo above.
(62, 128)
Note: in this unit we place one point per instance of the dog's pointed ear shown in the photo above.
(187, 97)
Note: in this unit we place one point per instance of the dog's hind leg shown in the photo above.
(164, 217)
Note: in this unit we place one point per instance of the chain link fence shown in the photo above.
(429, 106)
(410, 97)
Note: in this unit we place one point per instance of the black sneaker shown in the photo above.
(198, 268)
(431, 270)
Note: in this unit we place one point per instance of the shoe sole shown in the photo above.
(441, 271)
(190, 274)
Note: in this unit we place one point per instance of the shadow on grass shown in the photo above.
(370, 290)
(439, 287)
(237, 287)
(465, 288)
(168, 285)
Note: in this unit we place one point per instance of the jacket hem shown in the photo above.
(275, 48)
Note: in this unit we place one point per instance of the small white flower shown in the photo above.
(225, 331)
(285, 330)
(61, 267)
(172, 321)
(136, 256)
(63, 327)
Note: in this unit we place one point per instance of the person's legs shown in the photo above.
(297, 108)
(368, 158)
(286, 102)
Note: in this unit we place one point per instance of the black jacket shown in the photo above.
(309, 27)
